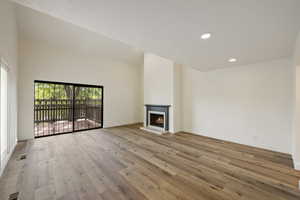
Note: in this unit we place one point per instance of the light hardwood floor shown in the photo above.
(128, 163)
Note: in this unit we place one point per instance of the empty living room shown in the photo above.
(149, 100)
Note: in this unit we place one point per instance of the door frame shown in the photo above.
(74, 85)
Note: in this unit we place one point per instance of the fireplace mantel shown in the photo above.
(157, 105)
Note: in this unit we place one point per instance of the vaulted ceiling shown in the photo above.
(249, 30)
(37, 28)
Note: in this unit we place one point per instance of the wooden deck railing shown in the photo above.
(50, 110)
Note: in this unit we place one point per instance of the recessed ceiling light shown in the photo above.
(205, 36)
(232, 60)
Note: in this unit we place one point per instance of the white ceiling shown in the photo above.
(250, 30)
(38, 27)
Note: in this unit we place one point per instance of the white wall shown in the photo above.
(162, 86)
(177, 98)
(158, 80)
(39, 61)
(296, 131)
(250, 105)
(8, 51)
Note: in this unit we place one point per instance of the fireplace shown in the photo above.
(157, 117)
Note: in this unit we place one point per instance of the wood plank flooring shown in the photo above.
(129, 163)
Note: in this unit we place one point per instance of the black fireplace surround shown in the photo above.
(158, 108)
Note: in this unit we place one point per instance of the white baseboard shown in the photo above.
(6, 159)
(109, 124)
(297, 165)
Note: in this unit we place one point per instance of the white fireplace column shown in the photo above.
(162, 87)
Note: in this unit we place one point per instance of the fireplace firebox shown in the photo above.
(157, 119)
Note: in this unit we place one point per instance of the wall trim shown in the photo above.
(124, 125)
(296, 165)
(6, 159)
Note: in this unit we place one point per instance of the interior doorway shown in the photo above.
(66, 107)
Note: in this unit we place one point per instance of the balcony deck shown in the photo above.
(63, 126)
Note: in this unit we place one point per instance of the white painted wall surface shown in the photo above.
(8, 51)
(121, 81)
(250, 105)
(177, 98)
(296, 131)
(158, 80)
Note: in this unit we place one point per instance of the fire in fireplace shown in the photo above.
(157, 120)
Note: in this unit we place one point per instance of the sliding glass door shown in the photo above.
(65, 107)
(53, 106)
(87, 107)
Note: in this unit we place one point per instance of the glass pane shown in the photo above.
(87, 108)
(53, 109)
